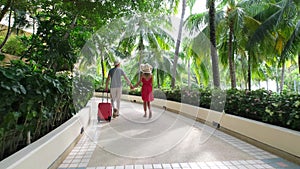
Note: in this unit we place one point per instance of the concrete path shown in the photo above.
(167, 140)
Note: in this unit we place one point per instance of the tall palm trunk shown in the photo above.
(141, 47)
(178, 44)
(189, 74)
(214, 54)
(299, 62)
(102, 68)
(157, 79)
(231, 56)
(249, 72)
(282, 75)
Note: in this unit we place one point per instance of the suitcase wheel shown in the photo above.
(109, 118)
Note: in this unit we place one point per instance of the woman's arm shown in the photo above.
(138, 83)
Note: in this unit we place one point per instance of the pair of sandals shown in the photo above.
(150, 115)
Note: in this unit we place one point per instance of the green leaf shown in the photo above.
(9, 74)
(5, 86)
(23, 90)
(297, 103)
(16, 89)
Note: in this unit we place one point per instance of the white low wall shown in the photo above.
(280, 138)
(45, 151)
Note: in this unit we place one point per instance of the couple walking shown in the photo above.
(114, 77)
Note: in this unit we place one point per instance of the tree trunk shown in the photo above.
(5, 9)
(72, 26)
(214, 54)
(189, 74)
(8, 31)
(299, 62)
(140, 50)
(178, 44)
(157, 78)
(277, 85)
(282, 75)
(249, 72)
(102, 68)
(231, 56)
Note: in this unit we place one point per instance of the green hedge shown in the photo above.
(262, 105)
(32, 100)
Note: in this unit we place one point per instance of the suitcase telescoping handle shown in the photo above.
(106, 96)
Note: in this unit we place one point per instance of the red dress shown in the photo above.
(147, 94)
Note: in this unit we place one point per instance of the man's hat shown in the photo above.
(116, 62)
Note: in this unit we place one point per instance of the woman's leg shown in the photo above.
(150, 112)
(145, 109)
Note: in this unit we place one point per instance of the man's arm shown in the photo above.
(126, 78)
(128, 81)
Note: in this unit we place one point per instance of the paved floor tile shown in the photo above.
(80, 156)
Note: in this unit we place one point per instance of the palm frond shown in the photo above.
(201, 44)
(195, 22)
(275, 15)
(293, 44)
(263, 30)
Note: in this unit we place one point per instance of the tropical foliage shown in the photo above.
(260, 105)
(234, 45)
(35, 101)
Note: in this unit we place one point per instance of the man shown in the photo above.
(114, 76)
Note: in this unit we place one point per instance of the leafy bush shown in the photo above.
(265, 106)
(33, 100)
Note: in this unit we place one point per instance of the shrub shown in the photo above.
(35, 100)
(261, 105)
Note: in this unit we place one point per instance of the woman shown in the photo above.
(146, 92)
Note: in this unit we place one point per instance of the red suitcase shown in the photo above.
(104, 110)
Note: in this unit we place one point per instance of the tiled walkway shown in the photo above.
(86, 149)
(81, 154)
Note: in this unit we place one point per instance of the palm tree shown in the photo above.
(213, 49)
(277, 25)
(293, 43)
(234, 21)
(178, 41)
(199, 47)
(145, 39)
